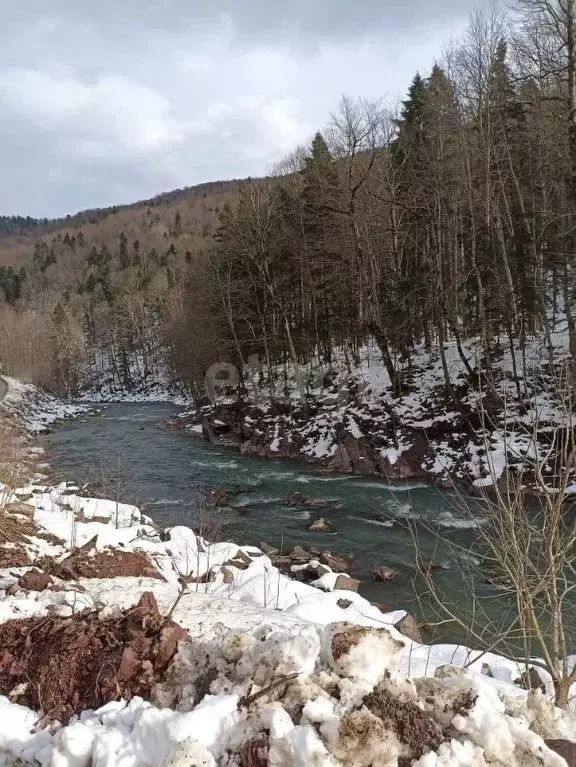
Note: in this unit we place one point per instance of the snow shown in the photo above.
(35, 409)
(356, 402)
(247, 633)
(102, 383)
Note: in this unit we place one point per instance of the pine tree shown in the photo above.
(123, 256)
(322, 221)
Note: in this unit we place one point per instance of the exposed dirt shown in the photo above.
(13, 557)
(343, 640)
(86, 562)
(254, 753)
(464, 703)
(413, 727)
(63, 666)
(34, 580)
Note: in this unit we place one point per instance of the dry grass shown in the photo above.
(14, 472)
(14, 528)
(14, 462)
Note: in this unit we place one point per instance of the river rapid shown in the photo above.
(164, 471)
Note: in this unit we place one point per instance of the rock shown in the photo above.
(267, 549)
(34, 580)
(409, 628)
(19, 507)
(346, 583)
(240, 561)
(314, 551)
(447, 671)
(321, 526)
(531, 680)
(303, 500)
(428, 566)
(216, 499)
(228, 575)
(383, 573)
(23, 497)
(315, 503)
(336, 563)
(304, 574)
(283, 563)
(344, 603)
(319, 569)
(564, 748)
(299, 553)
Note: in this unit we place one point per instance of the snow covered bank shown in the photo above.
(137, 383)
(34, 409)
(272, 667)
(355, 422)
(271, 670)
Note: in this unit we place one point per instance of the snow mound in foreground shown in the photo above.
(285, 693)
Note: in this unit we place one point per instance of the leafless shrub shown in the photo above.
(526, 547)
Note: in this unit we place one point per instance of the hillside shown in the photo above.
(69, 281)
(19, 233)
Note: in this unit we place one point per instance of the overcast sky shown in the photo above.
(111, 101)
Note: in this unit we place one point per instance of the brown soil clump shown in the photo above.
(254, 753)
(63, 666)
(413, 727)
(86, 562)
(346, 638)
(14, 558)
(34, 580)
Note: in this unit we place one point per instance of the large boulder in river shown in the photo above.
(383, 573)
(216, 499)
(303, 500)
(321, 526)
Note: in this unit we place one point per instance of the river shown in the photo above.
(164, 471)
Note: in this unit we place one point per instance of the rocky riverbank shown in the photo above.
(175, 649)
(123, 645)
(352, 421)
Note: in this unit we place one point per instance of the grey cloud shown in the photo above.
(253, 19)
(119, 100)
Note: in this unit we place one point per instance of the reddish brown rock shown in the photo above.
(336, 563)
(34, 580)
(565, 748)
(321, 526)
(216, 499)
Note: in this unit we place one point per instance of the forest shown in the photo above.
(447, 217)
